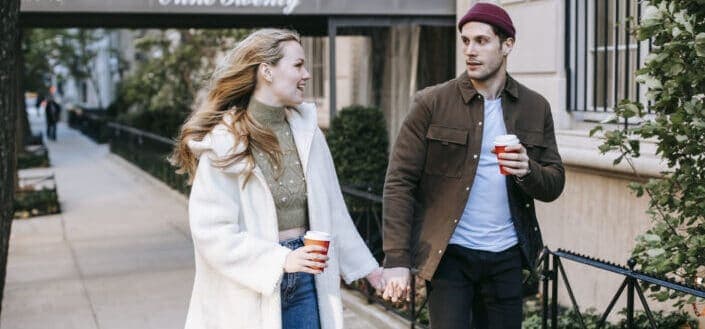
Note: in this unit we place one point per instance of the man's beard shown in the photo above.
(489, 75)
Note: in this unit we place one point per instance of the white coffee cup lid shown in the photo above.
(317, 235)
(504, 140)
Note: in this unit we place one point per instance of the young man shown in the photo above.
(448, 211)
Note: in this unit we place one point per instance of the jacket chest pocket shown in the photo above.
(446, 151)
(533, 141)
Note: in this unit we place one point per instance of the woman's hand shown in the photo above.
(306, 259)
(376, 280)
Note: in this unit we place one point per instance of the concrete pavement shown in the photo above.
(119, 256)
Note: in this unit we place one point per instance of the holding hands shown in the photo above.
(397, 285)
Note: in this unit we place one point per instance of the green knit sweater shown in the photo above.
(287, 184)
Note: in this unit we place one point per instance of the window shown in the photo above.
(314, 50)
(602, 54)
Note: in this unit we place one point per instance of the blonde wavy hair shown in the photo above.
(230, 89)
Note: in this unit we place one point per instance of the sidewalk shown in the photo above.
(119, 256)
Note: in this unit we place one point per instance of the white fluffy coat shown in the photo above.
(239, 262)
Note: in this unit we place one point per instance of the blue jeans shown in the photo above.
(298, 296)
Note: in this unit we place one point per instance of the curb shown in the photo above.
(375, 314)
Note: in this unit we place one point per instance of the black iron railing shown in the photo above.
(366, 211)
(632, 279)
(92, 123)
(148, 151)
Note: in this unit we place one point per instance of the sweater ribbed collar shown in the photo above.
(265, 114)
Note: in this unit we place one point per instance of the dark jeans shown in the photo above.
(476, 289)
(51, 131)
(298, 295)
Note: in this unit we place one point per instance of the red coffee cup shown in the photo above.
(318, 238)
(500, 143)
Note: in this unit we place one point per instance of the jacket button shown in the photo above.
(467, 188)
(536, 228)
(479, 123)
(440, 251)
(455, 221)
(474, 156)
(528, 205)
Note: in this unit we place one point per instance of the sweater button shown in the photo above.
(440, 251)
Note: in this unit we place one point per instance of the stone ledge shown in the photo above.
(579, 150)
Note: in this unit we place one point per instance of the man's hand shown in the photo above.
(515, 160)
(397, 288)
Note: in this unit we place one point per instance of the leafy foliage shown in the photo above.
(568, 318)
(673, 73)
(173, 66)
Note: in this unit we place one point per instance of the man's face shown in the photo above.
(484, 52)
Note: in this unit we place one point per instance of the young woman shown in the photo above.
(262, 176)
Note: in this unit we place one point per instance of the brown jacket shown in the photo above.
(433, 166)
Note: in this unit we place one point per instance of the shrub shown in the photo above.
(675, 246)
(359, 145)
(36, 203)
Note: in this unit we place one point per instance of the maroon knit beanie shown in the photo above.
(490, 14)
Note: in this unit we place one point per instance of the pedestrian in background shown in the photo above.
(52, 114)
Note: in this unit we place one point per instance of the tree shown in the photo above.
(74, 50)
(9, 12)
(38, 49)
(673, 73)
(175, 65)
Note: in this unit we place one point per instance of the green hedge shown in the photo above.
(36, 203)
(26, 159)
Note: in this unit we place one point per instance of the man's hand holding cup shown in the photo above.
(511, 155)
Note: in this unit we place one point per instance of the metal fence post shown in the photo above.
(412, 310)
(630, 295)
(545, 277)
(554, 294)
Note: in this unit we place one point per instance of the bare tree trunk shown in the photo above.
(23, 131)
(9, 87)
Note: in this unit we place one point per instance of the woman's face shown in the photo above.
(289, 76)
